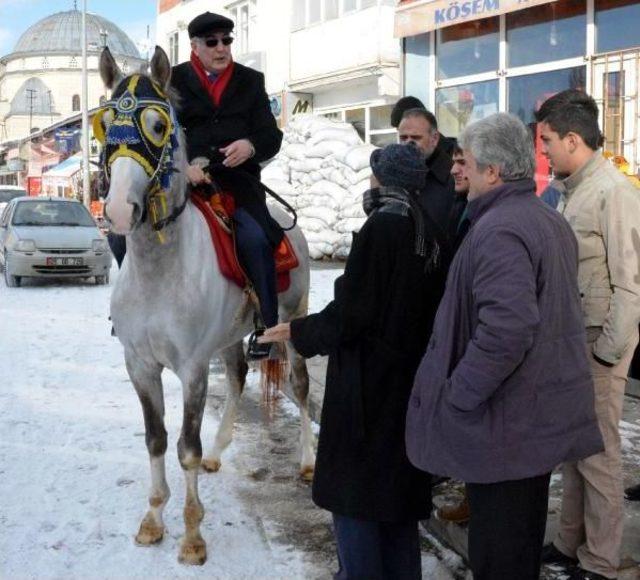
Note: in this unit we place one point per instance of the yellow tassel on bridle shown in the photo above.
(158, 210)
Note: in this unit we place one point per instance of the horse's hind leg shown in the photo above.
(236, 366)
(148, 384)
(193, 550)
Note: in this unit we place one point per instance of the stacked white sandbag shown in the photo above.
(322, 170)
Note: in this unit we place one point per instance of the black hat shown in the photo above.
(404, 104)
(207, 23)
(399, 165)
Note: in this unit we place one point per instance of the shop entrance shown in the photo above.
(615, 85)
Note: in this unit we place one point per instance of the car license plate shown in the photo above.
(64, 261)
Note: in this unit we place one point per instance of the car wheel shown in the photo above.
(10, 280)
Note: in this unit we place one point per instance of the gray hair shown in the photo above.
(504, 140)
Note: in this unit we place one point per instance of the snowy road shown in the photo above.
(74, 469)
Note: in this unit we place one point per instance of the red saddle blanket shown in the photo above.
(284, 254)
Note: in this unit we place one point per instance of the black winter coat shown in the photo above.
(375, 332)
(437, 196)
(243, 113)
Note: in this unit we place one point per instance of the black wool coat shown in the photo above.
(243, 113)
(375, 331)
(437, 196)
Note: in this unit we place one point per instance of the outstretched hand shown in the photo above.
(278, 333)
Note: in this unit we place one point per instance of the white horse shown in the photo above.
(171, 307)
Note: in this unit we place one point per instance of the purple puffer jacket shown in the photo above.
(504, 391)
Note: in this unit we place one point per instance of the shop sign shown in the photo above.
(420, 17)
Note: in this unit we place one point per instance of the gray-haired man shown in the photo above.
(504, 392)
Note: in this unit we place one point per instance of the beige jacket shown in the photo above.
(603, 208)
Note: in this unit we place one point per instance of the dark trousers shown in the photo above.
(377, 550)
(506, 529)
(256, 257)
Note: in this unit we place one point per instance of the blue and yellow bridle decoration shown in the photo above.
(128, 135)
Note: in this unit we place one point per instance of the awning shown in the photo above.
(419, 16)
(68, 167)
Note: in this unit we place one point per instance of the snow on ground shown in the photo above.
(74, 468)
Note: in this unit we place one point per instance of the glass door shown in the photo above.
(615, 86)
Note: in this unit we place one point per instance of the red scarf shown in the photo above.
(216, 87)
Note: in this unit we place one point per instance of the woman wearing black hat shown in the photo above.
(225, 113)
(375, 332)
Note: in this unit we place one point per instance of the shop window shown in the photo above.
(617, 24)
(357, 117)
(525, 96)
(383, 139)
(349, 5)
(315, 11)
(331, 9)
(416, 66)
(458, 106)
(380, 117)
(75, 103)
(298, 14)
(468, 48)
(545, 33)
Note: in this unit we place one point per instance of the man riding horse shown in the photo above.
(229, 128)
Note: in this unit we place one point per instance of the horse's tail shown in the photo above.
(273, 374)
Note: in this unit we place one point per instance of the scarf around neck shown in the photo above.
(399, 201)
(215, 88)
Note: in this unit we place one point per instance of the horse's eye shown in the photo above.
(159, 126)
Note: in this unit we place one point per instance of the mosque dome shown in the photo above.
(62, 33)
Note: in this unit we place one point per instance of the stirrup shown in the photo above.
(256, 350)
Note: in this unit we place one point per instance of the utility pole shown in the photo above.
(32, 97)
(50, 107)
(86, 183)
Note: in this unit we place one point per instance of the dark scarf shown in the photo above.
(399, 201)
(215, 87)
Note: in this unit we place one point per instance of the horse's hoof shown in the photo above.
(306, 473)
(211, 465)
(193, 553)
(149, 533)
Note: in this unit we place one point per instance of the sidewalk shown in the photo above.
(455, 536)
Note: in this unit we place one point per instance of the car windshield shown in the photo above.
(6, 195)
(52, 213)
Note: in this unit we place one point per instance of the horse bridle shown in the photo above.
(127, 136)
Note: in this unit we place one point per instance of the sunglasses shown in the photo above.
(213, 42)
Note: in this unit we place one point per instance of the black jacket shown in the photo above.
(437, 196)
(243, 113)
(375, 332)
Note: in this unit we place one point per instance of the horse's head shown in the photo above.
(138, 130)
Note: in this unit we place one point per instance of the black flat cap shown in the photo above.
(207, 23)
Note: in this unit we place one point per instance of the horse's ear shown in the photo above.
(109, 70)
(161, 68)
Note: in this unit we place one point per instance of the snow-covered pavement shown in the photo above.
(74, 468)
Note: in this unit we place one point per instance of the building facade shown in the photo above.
(469, 59)
(332, 57)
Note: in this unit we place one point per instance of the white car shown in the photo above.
(51, 237)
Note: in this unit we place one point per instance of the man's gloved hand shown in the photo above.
(237, 153)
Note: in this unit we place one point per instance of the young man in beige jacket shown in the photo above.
(603, 207)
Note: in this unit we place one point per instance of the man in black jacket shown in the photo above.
(419, 126)
(375, 331)
(225, 113)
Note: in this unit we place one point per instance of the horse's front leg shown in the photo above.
(300, 387)
(148, 384)
(193, 549)
(236, 368)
